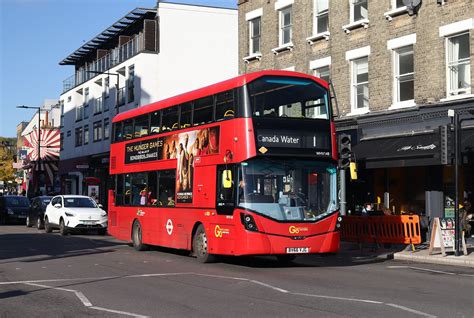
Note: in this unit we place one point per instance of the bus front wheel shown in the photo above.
(137, 237)
(200, 247)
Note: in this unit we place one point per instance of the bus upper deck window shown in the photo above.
(141, 126)
(155, 123)
(225, 107)
(170, 119)
(118, 133)
(128, 129)
(186, 112)
(203, 110)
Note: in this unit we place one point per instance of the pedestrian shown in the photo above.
(465, 215)
(367, 209)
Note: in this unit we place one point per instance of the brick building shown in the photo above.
(396, 70)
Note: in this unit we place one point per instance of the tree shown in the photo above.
(7, 155)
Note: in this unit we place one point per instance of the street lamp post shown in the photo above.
(38, 108)
(116, 86)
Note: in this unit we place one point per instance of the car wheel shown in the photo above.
(137, 237)
(62, 227)
(47, 226)
(28, 223)
(39, 223)
(200, 246)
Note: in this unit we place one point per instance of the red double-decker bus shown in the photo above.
(242, 167)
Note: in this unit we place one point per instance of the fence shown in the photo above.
(397, 229)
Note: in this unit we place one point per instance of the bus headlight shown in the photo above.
(248, 222)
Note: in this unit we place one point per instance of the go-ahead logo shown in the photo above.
(219, 231)
(295, 230)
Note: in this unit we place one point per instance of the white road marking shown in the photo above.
(85, 301)
(411, 310)
(431, 270)
(88, 304)
(118, 312)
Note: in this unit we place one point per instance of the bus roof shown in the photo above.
(209, 90)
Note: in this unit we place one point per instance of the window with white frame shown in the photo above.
(320, 109)
(322, 73)
(86, 134)
(321, 16)
(458, 64)
(360, 83)
(255, 35)
(97, 131)
(404, 74)
(359, 10)
(285, 25)
(397, 4)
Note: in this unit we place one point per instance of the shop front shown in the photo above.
(401, 160)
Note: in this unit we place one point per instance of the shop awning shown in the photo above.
(400, 151)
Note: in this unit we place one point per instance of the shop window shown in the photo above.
(225, 106)
(203, 110)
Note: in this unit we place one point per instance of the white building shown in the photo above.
(149, 54)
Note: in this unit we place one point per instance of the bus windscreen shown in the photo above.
(277, 96)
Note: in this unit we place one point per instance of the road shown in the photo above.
(47, 275)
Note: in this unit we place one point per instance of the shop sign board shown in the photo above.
(442, 235)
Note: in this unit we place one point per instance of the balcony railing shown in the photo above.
(114, 57)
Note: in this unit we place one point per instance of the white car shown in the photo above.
(71, 212)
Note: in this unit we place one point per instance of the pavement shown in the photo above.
(420, 254)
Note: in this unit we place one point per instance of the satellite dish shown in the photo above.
(412, 6)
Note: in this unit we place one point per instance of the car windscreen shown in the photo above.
(17, 201)
(79, 203)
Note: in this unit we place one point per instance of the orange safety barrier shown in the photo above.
(397, 229)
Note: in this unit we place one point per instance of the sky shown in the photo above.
(35, 35)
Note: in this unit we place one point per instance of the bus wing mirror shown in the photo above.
(227, 179)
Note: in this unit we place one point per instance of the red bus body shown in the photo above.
(174, 227)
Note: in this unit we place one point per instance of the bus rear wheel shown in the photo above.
(137, 237)
(200, 246)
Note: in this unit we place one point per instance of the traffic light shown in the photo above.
(446, 144)
(345, 150)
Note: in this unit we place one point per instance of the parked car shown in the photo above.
(13, 208)
(36, 211)
(74, 212)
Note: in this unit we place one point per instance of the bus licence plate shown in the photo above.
(297, 250)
